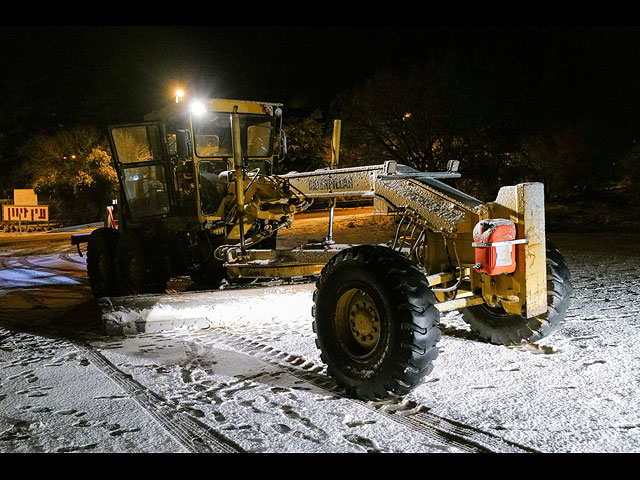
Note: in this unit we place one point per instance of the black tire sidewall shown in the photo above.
(503, 329)
(344, 278)
(405, 305)
(102, 243)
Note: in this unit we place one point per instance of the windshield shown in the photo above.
(212, 135)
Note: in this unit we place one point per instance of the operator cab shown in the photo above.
(170, 164)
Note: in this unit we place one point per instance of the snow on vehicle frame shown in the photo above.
(198, 196)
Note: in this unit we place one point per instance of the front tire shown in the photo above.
(501, 328)
(376, 323)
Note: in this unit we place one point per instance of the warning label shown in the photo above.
(503, 255)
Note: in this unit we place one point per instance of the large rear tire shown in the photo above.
(101, 262)
(376, 323)
(140, 268)
(501, 328)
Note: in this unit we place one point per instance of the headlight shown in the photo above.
(198, 108)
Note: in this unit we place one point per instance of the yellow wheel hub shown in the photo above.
(359, 312)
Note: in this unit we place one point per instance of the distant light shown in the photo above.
(198, 108)
(179, 95)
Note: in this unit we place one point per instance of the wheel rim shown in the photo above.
(358, 324)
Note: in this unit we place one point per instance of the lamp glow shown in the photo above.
(198, 108)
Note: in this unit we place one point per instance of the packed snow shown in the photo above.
(248, 377)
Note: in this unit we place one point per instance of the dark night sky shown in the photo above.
(136, 65)
(64, 75)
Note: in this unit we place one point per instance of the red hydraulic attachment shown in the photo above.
(494, 241)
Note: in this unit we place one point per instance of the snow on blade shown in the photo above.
(196, 310)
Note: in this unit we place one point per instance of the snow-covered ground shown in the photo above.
(253, 381)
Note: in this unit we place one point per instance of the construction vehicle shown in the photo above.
(198, 197)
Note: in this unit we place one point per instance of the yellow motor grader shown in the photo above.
(198, 197)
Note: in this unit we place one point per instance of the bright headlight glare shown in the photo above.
(198, 108)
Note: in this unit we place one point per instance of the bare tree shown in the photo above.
(423, 118)
(308, 144)
(559, 159)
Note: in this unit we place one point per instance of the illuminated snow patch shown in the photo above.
(24, 277)
(231, 308)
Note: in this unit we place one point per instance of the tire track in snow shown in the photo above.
(405, 412)
(68, 258)
(33, 262)
(193, 435)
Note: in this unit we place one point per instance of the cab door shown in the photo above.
(141, 158)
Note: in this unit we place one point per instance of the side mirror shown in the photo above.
(183, 143)
(283, 146)
(452, 165)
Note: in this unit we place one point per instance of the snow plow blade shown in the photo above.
(205, 309)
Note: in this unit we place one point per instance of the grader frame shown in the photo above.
(434, 214)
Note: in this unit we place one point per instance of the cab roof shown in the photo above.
(181, 110)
